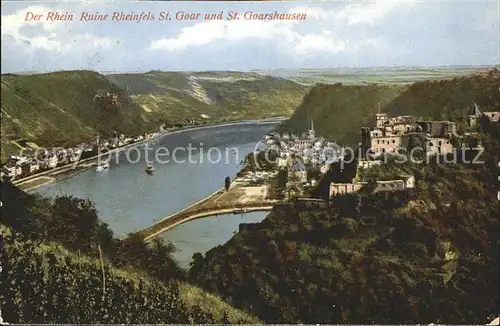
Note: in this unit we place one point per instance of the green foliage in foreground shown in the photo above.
(44, 283)
(429, 255)
(47, 283)
(73, 222)
(339, 111)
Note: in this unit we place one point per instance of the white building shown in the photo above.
(13, 171)
(34, 166)
(10, 171)
(52, 162)
(409, 181)
(438, 146)
(324, 168)
(368, 163)
(282, 162)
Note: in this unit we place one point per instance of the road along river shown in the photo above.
(129, 200)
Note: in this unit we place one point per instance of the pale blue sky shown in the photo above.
(335, 34)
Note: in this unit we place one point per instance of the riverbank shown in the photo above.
(43, 180)
(129, 200)
(237, 200)
(36, 182)
(33, 182)
(30, 182)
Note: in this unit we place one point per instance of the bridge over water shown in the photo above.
(237, 200)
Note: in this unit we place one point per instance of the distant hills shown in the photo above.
(427, 255)
(220, 95)
(62, 108)
(419, 257)
(379, 75)
(339, 111)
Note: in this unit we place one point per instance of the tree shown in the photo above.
(195, 266)
(227, 183)
(155, 258)
(74, 223)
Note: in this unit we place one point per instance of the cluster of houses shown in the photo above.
(392, 134)
(297, 155)
(405, 182)
(255, 177)
(475, 116)
(34, 160)
(404, 132)
(307, 149)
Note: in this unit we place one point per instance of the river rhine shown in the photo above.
(128, 199)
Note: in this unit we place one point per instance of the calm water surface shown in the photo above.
(129, 200)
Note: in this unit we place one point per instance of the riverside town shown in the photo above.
(222, 170)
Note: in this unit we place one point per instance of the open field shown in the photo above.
(380, 75)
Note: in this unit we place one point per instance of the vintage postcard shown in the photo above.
(181, 162)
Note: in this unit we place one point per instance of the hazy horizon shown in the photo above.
(104, 72)
(340, 34)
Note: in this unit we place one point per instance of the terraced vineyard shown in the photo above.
(45, 283)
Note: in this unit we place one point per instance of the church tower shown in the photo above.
(312, 135)
(381, 118)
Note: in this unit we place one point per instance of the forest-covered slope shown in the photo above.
(419, 257)
(427, 255)
(176, 96)
(339, 111)
(61, 264)
(68, 107)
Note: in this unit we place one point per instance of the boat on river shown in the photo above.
(150, 169)
(102, 167)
